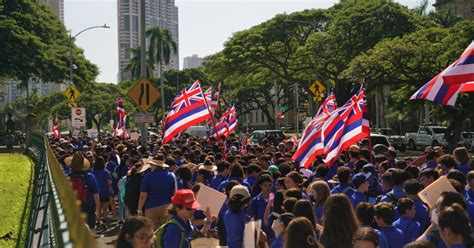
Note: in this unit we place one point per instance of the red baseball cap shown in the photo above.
(186, 198)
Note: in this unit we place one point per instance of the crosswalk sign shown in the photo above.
(318, 90)
(72, 94)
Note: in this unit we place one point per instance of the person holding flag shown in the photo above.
(56, 127)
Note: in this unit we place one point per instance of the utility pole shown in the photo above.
(296, 108)
(143, 130)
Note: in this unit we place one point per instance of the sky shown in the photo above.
(204, 25)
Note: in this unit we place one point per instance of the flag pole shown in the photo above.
(362, 84)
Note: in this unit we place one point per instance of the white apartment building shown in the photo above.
(192, 61)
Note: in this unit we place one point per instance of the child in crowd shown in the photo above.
(383, 216)
(407, 222)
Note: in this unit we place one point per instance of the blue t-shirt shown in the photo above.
(397, 192)
(410, 228)
(160, 186)
(257, 206)
(250, 180)
(221, 187)
(343, 187)
(395, 237)
(429, 165)
(357, 198)
(102, 177)
(422, 215)
(278, 242)
(216, 181)
(173, 234)
(464, 168)
(234, 226)
(383, 243)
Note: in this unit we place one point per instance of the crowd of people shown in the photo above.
(363, 200)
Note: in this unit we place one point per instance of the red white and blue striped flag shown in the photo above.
(56, 127)
(121, 119)
(346, 126)
(311, 144)
(445, 87)
(463, 69)
(227, 123)
(188, 108)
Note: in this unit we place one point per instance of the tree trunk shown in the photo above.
(455, 126)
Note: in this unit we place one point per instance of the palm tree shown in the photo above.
(133, 65)
(161, 47)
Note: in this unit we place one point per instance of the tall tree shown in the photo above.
(133, 65)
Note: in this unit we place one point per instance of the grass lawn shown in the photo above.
(15, 197)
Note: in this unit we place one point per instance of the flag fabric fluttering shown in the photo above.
(121, 120)
(215, 100)
(294, 140)
(226, 124)
(463, 69)
(208, 96)
(346, 126)
(56, 127)
(445, 87)
(188, 108)
(311, 144)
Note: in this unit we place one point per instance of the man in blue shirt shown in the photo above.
(156, 190)
(252, 172)
(222, 174)
(383, 216)
(398, 178)
(407, 222)
(343, 174)
(79, 171)
(412, 187)
(360, 183)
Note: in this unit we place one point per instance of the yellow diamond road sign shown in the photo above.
(317, 88)
(143, 94)
(72, 94)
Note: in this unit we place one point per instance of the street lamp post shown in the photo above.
(71, 37)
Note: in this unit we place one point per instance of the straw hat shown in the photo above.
(208, 165)
(77, 162)
(154, 162)
(143, 168)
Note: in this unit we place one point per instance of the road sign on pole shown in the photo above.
(78, 117)
(143, 94)
(318, 90)
(72, 94)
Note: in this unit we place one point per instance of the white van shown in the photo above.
(199, 131)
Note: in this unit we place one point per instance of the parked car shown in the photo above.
(273, 136)
(467, 140)
(426, 136)
(199, 131)
(397, 141)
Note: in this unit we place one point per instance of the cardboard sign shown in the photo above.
(431, 193)
(134, 136)
(209, 197)
(92, 133)
(252, 233)
(78, 117)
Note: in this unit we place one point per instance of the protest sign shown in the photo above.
(209, 197)
(92, 133)
(431, 193)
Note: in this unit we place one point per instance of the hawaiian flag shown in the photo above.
(222, 126)
(445, 87)
(311, 144)
(346, 126)
(56, 127)
(188, 108)
(208, 96)
(463, 69)
(294, 140)
(121, 119)
(231, 119)
(468, 87)
(215, 100)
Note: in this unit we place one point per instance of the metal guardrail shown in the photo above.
(55, 219)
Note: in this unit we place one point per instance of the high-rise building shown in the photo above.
(192, 61)
(463, 8)
(57, 6)
(162, 13)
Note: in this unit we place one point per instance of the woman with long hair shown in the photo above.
(137, 232)
(454, 227)
(319, 190)
(300, 233)
(340, 222)
(303, 208)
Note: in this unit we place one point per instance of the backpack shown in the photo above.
(79, 186)
(160, 232)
